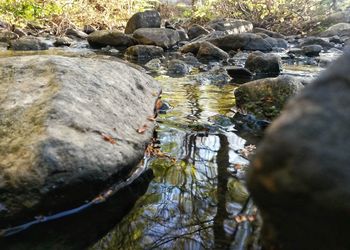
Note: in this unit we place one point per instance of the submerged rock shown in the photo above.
(316, 41)
(300, 176)
(102, 38)
(68, 128)
(261, 63)
(265, 98)
(216, 76)
(165, 38)
(147, 19)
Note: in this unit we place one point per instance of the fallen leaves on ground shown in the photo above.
(142, 129)
(108, 138)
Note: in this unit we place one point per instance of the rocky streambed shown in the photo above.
(77, 120)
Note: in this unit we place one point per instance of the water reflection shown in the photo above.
(192, 201)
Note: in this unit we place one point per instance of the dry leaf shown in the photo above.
(142, 129)
(108, 138)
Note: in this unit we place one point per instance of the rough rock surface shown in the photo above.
(165, 38)
(28, 43)
(265, 98)
(300, 176)
(144, 52)
(102, 38)
(208, 52)
(68, 128)
(261, 63)
(147, 19)
(243, 41)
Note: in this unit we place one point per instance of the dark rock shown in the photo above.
(57, 130)
(299, 176)
(208, 52)
(28, 43)
(261, 63)
(154, 64)
(268, 32)
(75, 33)
(165, 38)
(312, 50)
(265, 98)
(63, 41)
(316, 41)
(277, 42)
(178, 68)
(196, 30)
(147, 19)
(231, 26)
(7, 36)
(144, 52)
(239, 72)
(102, 38)
(88, 29)
(243, 41)
(336, 40)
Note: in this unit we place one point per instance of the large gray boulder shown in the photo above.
(231, 26)
(265, 98)
(147, 19)
(261, 63)
(165, 38)
(102, 38)
(300, 176)
(243, 41)
(68, 129)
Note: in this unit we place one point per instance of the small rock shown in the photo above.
(269, 33)
(28, 43)
(231, 25)
(238, 73)
(262, 63)
(63, 41)
(144, 52)
(208, 52)
(178, 68)
(312, 50)
(316, 41)
(75, 33)
(165, 38)
(102, 38)
(147, 19)
(154, 64)
(196, 30)
(183, 35)
(265, 98)
(88, 29)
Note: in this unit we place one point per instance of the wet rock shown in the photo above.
(88, 29)
(337, 30)
(316, 41)
(178, 68)
(63, 41)
(58, 144)
(235, 71)
(165, 38)
(154, 64)
(302, 190)
(191, 60)
(102, 38)
(261, 63)
(208, 52)
(277, 42)
(7, 36)
(231, 26)
(75, 33)
(269, 33)
(196, 30)
(312, 50)
(147, 19)
(265, 98)
(28, 43)
(216, 76)
(144, 52)
(243, 41)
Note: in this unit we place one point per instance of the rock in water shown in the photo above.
(266, 64)
(299, 176)
(147, 19)
(68, 129)
(165, 38)
(102, 38)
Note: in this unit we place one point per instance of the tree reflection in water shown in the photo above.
(191, 202)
